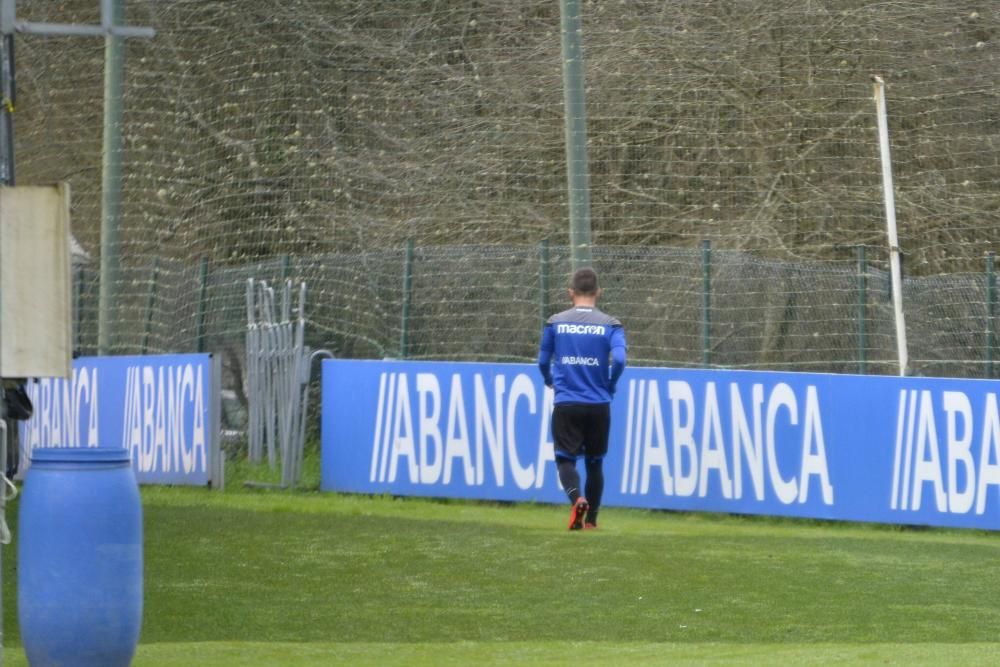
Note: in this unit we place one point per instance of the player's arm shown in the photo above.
(619, 352)
(545, 351)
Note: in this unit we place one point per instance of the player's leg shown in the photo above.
(594, 488)
(567, 439)
(595, 448)
(569, 477)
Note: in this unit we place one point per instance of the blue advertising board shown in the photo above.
(883, 449)
(163, 409)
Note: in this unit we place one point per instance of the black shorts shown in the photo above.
(581, 429)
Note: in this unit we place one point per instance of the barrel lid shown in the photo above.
(80, 455)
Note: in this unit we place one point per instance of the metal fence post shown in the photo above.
(543, 281)
(78, 277)
(199, 333)
(862, 314)
(991, 293)
(286, 266)
(404, 331)
(150, 301)
(706, 303)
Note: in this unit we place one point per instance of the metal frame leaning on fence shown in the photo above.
(279, 365)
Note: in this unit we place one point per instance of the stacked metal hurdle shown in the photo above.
(278, 370)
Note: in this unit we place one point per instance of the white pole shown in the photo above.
(890, 221)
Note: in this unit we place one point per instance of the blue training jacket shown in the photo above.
(582, 355)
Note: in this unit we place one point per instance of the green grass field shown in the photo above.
(273, 578)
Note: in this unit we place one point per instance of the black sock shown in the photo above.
(569, 477)
(595, 487)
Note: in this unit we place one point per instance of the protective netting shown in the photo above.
(311, 140)
(681, 307)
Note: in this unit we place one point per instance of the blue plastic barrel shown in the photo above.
(80, 558)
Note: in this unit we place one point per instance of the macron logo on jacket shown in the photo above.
(586, 329)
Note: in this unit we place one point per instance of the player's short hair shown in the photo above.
(584, 281)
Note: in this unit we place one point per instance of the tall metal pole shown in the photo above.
(577, 173)
(890, 221)
(111, 186)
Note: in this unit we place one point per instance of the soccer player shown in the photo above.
(581, 356)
